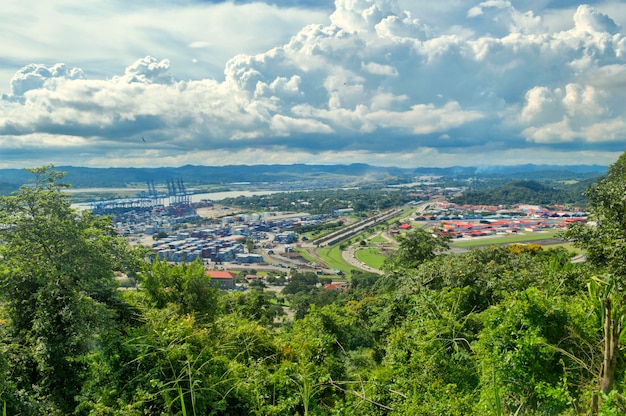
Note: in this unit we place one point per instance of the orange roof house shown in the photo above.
(223, 279)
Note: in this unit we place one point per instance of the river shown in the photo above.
(213, 196)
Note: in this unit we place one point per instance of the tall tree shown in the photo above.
(57, 274)
(185, 285)
(604, 240)
(415, 248)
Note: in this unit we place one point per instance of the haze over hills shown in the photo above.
(314, 175)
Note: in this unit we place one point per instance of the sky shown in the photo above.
(406, 83)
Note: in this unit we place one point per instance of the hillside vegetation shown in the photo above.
(528, 192)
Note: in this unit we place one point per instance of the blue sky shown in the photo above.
(390, 83)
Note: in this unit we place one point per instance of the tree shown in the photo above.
(430, 356)
(527, 352)
(608, 307)
(185, 285)
(255, 304)
(301, 282)
(249, 243)
(58, 283)
(157, 368)
(415, 248)
(604, 241)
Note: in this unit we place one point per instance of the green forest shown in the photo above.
(509, 330)
(318, 202)
(528, 191)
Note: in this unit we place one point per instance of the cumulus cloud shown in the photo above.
(590, 20)
(149, 70)
(374, 83)
(35, 76)
(362, 15)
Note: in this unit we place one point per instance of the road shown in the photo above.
(349, 256)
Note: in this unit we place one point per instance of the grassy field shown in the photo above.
(305, 254)
(378, 239)
(371, 257)
(314, 235)
(333, 258)
(515, 238)
(568, 246)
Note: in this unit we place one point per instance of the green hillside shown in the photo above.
(527, 192)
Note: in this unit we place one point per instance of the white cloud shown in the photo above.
(542, 106)
(284, 126)
(103, 37)
(197, 44)
(425, 119)
(590, 20)
(479, 9)
(147, 71)
(373, 83)
(362, 15)
(34, 76)
(379, 69)
(577, 113)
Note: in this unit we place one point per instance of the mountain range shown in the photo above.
(288, 176)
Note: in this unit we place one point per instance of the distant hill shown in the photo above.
(527, 170)
(297, 175)
(527, 192)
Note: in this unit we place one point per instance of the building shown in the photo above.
(249, 258)
(337, 286)
(222, 279)
(286, 237)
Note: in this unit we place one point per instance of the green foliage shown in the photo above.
(362, 283)
(318, 296)
(145, 373)
(318, 230)
(613, 404)
(257, 305)
(243, 340)
(491, 273)
(185, 285)
(301, 282)
(305, 290)
(528, 341)
(431, 352)
(249, 243)
(57, 278)
(522, 191)
(324, 201)
(605, 240)
(416, 247)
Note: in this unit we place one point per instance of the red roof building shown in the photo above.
(336, 286)
(223, 279)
